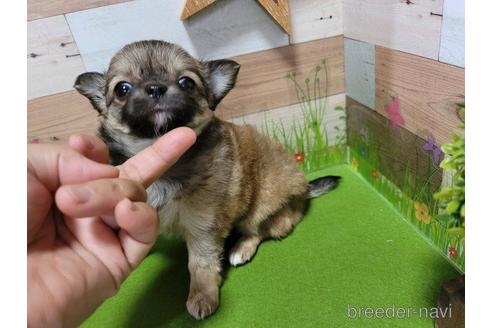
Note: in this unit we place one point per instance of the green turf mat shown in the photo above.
(351, 249)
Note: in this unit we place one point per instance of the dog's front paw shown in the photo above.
(200, 305)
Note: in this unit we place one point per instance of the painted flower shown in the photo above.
(437, 153)
(34, 140)
(355, 163)
(422, 212)
(393, 110)
(299, 157)
(374, 174)
(453, 253)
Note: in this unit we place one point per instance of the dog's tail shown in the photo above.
(322, 185)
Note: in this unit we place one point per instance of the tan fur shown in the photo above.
(249, 183)
(232, 178)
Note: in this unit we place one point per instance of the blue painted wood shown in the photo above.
(452, 49)
(225, 29)
(360, 73)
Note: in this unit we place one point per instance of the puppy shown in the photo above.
(232, 178)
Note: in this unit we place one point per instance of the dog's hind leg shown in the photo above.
(276, 226)
(281, 223)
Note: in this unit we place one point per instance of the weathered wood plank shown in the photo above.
(262, 85)
(279, 10)
(453, 33)
(410, 26)
(191, 7)
(292, 114)
(232, 28)
(56, 117)
(360, 60)
(53, 60)
(315, 19)
(399, 152)
(37, 9)
(427, 91)
(262, 82)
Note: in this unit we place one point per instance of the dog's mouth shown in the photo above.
(150, 119)
(164, 109)
(167, 117)
(161, 116)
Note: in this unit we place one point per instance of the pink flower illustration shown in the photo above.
(393, 110)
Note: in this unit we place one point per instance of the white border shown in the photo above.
(13, 133)
(478, 163)
(479, 184)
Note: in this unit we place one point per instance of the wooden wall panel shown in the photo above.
(291, 114)
(279, 11)
(37, 9)
(397, 150)
(262, 82)
(410, 26)
(453, 33)
(53, 60)
(427, 91)
(262, 85)
(315, 19)
(56, 117)
(191, 7)
(360, 80)
(228, 28)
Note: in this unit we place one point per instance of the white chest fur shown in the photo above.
(163, 195)
(178, 214)
(169, 217)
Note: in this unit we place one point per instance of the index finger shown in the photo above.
(90, 146)
(148, 165)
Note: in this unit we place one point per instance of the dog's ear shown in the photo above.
(91, 85)
(222, 77)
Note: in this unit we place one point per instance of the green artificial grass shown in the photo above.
(352, 248)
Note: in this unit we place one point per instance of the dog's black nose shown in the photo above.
(155, 90)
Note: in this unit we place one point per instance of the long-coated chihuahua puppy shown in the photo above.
(232, 178)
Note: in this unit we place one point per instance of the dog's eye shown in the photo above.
(122, 89)
(186, 83)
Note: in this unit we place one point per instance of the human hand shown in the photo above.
(88, 224)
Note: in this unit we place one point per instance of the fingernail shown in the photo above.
(81, 194)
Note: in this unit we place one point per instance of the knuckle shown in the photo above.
(115, 187)
(134, 190)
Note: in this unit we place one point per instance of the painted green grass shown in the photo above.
(307, 137)
(363, 158)
(351, 249)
